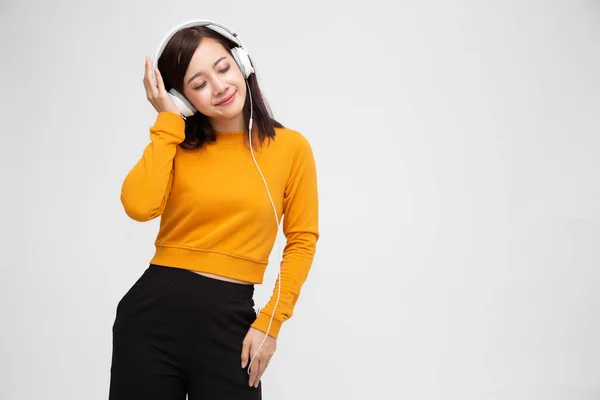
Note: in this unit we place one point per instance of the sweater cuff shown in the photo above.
(262, 323)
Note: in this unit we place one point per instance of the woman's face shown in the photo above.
(214, 84)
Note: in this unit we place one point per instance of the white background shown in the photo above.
(457, 146)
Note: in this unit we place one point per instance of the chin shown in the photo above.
(232, 111)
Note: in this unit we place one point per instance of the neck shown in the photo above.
(229, 125)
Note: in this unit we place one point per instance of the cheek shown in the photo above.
(200, 99)
(242, 88)
(236, 78)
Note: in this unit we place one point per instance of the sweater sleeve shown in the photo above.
(146, 187)
(300, 227)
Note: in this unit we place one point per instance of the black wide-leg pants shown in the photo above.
(177, 333)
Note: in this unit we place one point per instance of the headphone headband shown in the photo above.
(215, 26)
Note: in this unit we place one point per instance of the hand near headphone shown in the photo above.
(251, 342)
(155, 91)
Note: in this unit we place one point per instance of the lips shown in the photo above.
(227, 100)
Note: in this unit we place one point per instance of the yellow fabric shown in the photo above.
(215, 214)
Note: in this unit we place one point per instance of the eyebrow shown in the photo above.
(200, 73)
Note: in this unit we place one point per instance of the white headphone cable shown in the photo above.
(277, 221)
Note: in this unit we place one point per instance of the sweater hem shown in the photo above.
(210, 262)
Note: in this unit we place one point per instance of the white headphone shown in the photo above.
(186, 109)
(240, 55)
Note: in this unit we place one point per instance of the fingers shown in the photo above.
(258, 367)
(262, 366)
(254, 372)
(255, 362)
(159, 82)
(245, 352)
(145, 79)
(149, 85)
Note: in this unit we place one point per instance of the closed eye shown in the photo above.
(222, 71)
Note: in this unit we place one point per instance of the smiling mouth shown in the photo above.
(227, 100)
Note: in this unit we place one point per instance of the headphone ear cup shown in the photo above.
(243, 61)
(185, 107)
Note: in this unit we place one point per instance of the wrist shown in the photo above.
(262, 324)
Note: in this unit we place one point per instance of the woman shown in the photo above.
(220, 173)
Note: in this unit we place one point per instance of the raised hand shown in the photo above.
(155, 90)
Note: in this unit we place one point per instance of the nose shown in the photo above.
(219, 86)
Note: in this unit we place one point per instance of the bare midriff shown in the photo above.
(222, 278)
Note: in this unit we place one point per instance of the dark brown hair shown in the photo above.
(173, 64)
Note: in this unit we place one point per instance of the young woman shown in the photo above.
(220, 173)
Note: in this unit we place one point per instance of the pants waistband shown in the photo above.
(203, 284)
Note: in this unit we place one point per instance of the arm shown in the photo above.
(300, 226)
(147, 186)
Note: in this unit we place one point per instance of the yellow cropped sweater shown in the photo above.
(216, 216)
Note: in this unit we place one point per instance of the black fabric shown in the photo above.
(177, 333)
